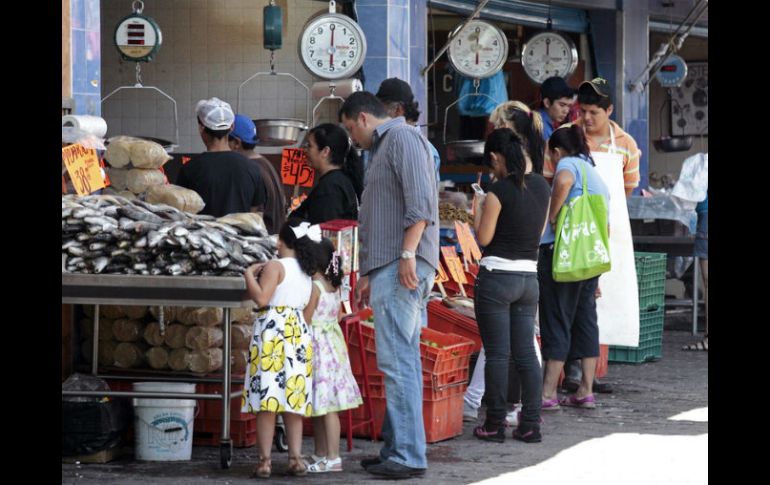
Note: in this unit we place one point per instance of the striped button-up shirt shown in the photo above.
(399, 191)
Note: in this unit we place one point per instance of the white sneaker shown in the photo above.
(470, 413)
(512, 418)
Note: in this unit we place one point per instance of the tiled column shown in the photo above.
(396, 43)
(86, 56)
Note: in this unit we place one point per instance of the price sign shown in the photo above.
(295, 169)
(83, 167)
(454, 264)
(467, 241)
(441, 276)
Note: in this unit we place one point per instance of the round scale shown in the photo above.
(138, 38)
(549, 54)
(479, 51)
(673, 72)
(332, 46)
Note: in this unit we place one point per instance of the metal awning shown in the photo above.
(519, 12)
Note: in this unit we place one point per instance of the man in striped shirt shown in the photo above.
(398, 255)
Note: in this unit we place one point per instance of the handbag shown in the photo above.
(581, 248)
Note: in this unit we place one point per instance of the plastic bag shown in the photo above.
(693, 183)
(183, 199)
(119, 151)
(147, 154)
(493, 87)
(83, 382)
(139, 179)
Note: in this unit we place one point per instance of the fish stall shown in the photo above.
(120, 251)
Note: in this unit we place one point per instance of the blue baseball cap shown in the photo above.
(244, 129)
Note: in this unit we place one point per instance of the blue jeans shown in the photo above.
(397, 319)
(506, 302)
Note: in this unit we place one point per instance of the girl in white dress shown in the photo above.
(279, 377)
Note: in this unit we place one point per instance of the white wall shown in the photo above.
(694, 49)
(209, 48)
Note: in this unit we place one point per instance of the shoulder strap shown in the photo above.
(320, 286)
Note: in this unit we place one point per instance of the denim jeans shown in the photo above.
(398, 321)
(505, 306)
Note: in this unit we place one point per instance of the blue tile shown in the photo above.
(372, 21)
(376, 71)
(87, 104)
(398, 68)
(78, 14)
(92, 15)
(79, 77)
(402, 3)
(398, 32)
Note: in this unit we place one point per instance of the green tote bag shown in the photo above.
(582, 248)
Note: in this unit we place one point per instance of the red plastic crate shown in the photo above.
(212, 408)
(207, 432)
(440, 386)
(446, 320)
(453, 351)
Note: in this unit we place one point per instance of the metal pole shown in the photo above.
(226, 378)
(452, 36)
(695, 299)
(95, 349)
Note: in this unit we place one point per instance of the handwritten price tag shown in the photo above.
(467, 241)
(441, 276)
(83, 167)
(295, 169)
(454, 264)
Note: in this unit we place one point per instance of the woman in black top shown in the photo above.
(509, 225)
(339, 176)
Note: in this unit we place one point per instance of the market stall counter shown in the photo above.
(220, 291)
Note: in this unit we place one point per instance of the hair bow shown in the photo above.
(305, 229)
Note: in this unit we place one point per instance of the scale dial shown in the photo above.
(480, 51)
(332, 46)
(672, 72)
(549, 54)
(138, 38)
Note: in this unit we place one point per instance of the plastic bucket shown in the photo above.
(163, 427)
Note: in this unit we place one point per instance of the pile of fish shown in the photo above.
(112, 234)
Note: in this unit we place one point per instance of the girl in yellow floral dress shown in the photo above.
(279, 378)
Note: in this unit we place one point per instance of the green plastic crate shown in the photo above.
(651, 279)
(651, 349)
(651, 323)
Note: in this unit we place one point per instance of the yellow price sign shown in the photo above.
(467, 241)
(454, 264)
(83, 167)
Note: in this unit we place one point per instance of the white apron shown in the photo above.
(618, 308)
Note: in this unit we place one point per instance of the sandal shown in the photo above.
(296, 467)
(312, 459)
(550, 404)
(263, 468)
(588, 402)
(326, 465)
(497, 435)
(702, 345)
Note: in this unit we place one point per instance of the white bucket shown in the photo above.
(163, 427)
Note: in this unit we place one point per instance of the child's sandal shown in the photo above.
(296, 467)
(325, 466)
(263, 469)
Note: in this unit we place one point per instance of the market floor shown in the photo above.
(629, 438)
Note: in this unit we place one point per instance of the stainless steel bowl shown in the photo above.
(279, 132)
(465, 150)
(673, 143)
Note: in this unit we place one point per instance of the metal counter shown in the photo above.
(200, 291)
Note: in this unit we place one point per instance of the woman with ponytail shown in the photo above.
(339, 176)
(528, 125)
(509, 221)
(568, 320)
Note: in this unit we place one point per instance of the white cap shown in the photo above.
(215, 114)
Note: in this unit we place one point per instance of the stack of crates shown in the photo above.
(445, 378)
(651, 280)
(207, 429)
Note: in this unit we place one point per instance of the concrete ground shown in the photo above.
(629, 438)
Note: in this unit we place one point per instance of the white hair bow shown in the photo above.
(305, 229)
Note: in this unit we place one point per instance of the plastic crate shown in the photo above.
(212, 408)
(453, 351)
(435, 386)
(650, 349)
(651, 324)
(651, 279)
(447, 320)
(208, 431)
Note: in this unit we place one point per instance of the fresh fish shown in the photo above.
(154, 238)
(82, 212)
(76, 250)
(223, 263)
(141, 242)
(125, 244)
(97, 246)
(140, 266)
(100, 263)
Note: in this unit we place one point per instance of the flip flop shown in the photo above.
(550, 404)
(703, 345)
(588, 402)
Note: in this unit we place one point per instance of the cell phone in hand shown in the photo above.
(477, 188)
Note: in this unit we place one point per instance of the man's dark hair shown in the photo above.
(586, 95)
(246, 146)
(555, 88)
(362, 102)
(218, 134)
(411, 113)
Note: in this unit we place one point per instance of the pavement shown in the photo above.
(630, 438)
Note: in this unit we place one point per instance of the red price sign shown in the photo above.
(295, 168)
(454, 264)
(83, 167)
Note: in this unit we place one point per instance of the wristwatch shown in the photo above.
(407, 254)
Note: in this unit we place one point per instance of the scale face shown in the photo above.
(673, 72)
(138, 38)
(480, 51)
(332, 46)
(549, 54)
